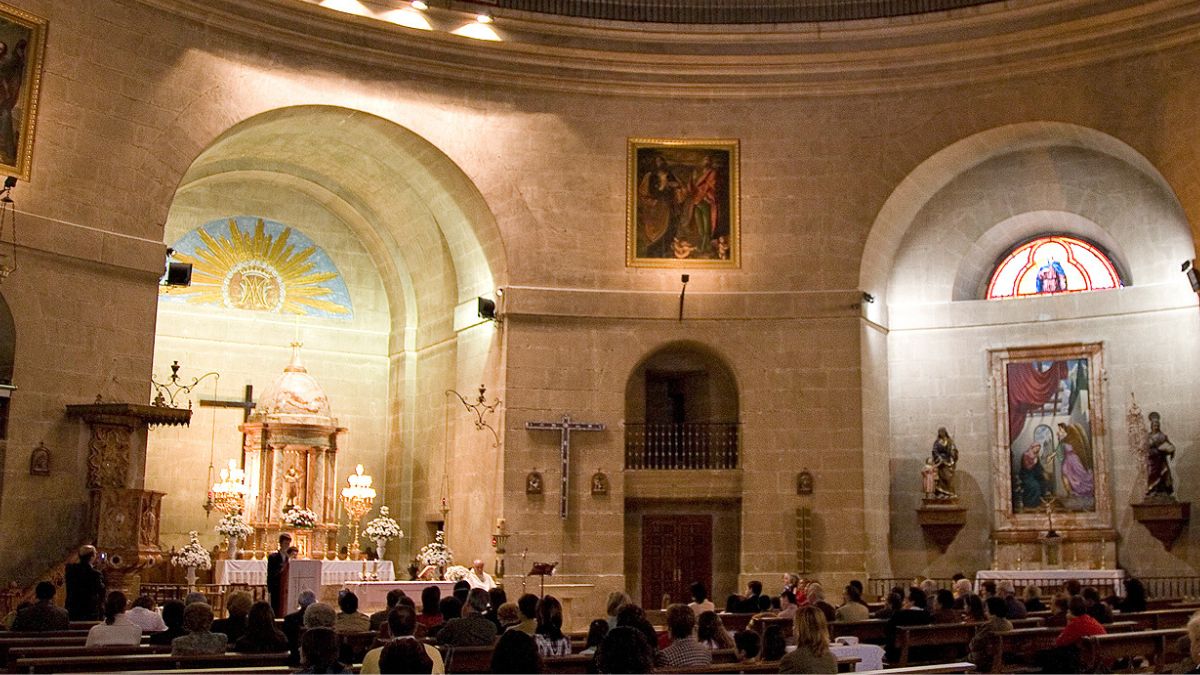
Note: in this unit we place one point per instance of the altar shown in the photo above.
(372, 595)
(1103, 580)
(333, 572)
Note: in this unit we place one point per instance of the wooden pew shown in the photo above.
(935, 669)
(786, 625)
(1017, 649)
(955, 637)
(1029, 622)
(871, 631)
(1158, 619)
(130, 662)
(468, 659)
(41, 651)
(737, 667)
(735, 622)
(1101, 652)
(575, 664)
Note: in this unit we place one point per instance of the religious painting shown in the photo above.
(682, 208)
(22, 50)
(259, 265)
(1050, 452)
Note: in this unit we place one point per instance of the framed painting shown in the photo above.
(682, 208)
(22, 51)
(1050, 452)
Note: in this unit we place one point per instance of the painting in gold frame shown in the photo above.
(682, 203)
(22, 52)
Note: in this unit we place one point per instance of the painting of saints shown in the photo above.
(1032, 483)
(22, 48)
(1076, 454)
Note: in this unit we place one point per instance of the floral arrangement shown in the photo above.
(436, 552)
(192, 555)
(383, 527)
(234, 527)
(300, 518)
(456, 573)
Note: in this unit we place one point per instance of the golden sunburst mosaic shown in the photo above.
(260, 265)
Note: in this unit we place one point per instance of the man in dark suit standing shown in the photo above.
(43, 615)
(85, 587)
(277, 564)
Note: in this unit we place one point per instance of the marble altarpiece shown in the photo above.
(291, 462)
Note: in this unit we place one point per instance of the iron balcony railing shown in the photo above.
(690, 445)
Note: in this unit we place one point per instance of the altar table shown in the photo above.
(372, 595)
(333, 572)
(1099, 578)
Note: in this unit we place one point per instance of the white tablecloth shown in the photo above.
(372, 595)
(333, 572)
(1098, 578)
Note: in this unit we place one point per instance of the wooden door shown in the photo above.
(676, 552)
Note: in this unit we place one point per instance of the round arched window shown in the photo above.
(1053, 264)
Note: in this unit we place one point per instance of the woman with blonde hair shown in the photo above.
(617, 600)
(812, 654)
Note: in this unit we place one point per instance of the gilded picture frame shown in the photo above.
(1050, 436)
(22, 56)
(683, 203)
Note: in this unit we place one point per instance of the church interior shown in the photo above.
(656, 292)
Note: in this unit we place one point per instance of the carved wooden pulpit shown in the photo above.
(123, 517)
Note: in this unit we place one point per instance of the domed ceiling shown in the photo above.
(731, 11)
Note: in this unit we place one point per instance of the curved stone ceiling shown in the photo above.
(717, 12)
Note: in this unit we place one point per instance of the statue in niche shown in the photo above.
(39, 461)
(292, 478)
(533, 483)
(599, 483)
(942, 461)
(1159, 451)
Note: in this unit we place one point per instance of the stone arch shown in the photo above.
(1031, 153)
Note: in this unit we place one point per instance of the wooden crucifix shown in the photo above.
(565, 426)
(246, 404)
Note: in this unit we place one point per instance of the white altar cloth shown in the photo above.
(372, 595)
(1099, 578)
(333, 572)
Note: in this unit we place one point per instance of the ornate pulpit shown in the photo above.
(291, 462)
(123, 518)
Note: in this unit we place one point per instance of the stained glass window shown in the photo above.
(1054, 264)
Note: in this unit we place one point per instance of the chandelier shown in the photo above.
(358, 498)
(229, 493)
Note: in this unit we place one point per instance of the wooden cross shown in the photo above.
(566, 426)
(246, 404)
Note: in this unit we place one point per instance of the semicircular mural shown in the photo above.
(259, 265)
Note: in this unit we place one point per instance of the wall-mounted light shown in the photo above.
(868, 298)
(408, 17)
(486, 308)
(479, 29)
(1193, 275)
(419, 5)
(178, 273)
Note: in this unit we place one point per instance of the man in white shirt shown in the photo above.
(479, 578)
(143, 614)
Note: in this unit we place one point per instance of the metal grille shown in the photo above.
(694, 445)
(730, 11)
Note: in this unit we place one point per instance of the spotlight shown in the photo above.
(486, 308)
(419, 5)
(483, 18)
(867, 297)
(1187, 265)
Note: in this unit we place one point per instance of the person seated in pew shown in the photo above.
(625, 650)
(633, 616)
(774, 646)
(350, 620)
(516, 652)
(472, 629)
(319, 652)
(816, 598)
(406, 656)
(684, 651)
(962, 588)
(1135, 596)
(1016, 608)
(812, 653)
(172, 616)
(402, 625)
(700, 602)
(1058, 611)
(450, 609)
(431, 615)
(293, 623)
(617, 600)
(508, 615)
(1064, 656)
(1095, 606)
(7, 622)
(261, 636)
(195, 596)
(549, 637)
(597, 630)
(984, 645)
(461, 590)
(747, 645)
(42, 615)
(117, 629)
(987, 589)
(943, 608)
(496, 598)
(853, 608)
(750, 602)
(787, 605)
(527, 606)
(378, 619)
(200, 639)
(237, 607)
(893, 604)
(145, 614)
(1032, 597)
(711, 633)
(913, 613)
(975, 611)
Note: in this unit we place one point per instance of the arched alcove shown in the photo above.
(681, 410)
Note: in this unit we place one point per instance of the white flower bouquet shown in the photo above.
(192, 555)
(383, 527)
(234, 527)
(436, 553)
(300, 518)
(456, 573)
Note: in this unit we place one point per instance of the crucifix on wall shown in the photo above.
(565, 426)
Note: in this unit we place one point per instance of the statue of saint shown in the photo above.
(944, 459)
(1159, 450)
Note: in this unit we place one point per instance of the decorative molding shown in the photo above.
(989, 42)
(725, 12)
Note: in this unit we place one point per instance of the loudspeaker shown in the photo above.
(178, 274)
(486, 309)
(1194, 279)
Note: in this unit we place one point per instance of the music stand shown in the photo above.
(542, 569)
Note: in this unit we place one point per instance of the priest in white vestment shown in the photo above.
(479, 578)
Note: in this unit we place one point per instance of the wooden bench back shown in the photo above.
(1101, 652)
(574, 664)
(735, 622)
(468, 659)
(736, 667)
(871, 631)
(17, 653)
(954, 636)
(935, 669)
(129, 662)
